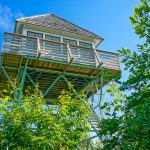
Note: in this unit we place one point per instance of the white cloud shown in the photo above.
(7, 17)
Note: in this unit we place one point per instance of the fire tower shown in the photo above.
(51, 51)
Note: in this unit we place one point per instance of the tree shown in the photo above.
(35, 125)
(131, 129)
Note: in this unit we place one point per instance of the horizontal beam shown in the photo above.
(53, 71)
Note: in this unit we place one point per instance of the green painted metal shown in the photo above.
(2, 58)
(101, 92)
(22, 83)
(32, 82)
(19, 69)
(23, 75)
(54, 71)
(51, 85)
(87, 145)
(7, 76)
(92, 147)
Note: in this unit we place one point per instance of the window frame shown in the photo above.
(53, 36)
(85, 44)
(35, 34)
(70, 40)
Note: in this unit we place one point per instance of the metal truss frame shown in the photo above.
(96, 82)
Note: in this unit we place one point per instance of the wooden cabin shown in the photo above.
(52, 51)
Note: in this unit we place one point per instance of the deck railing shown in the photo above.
(46, 49)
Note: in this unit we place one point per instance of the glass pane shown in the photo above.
(54, 38)
(88, 45)
(48, 37)
(82, 44)
(73, 42)
(38, 35)
(34, 34)
(66, 41)
(57, 39)
(30, 34)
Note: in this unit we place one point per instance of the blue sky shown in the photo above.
(107, 18)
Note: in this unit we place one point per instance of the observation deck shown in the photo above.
(51, 64)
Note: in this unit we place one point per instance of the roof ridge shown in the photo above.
(32, 16)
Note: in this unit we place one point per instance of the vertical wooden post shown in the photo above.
(38, 48)
(70, 57)
(97, 58)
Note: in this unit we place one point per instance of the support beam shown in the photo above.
(33, 83)
(23, 76)
(19, 92)
(54, 71)
(90, 109)
(87, 145)
(50, 87)
(19, 69)
(7, 76)
(65, 78)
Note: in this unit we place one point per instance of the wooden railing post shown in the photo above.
(38, 48)
(97, 58)
(69, 54)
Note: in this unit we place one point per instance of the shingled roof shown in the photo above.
(52, 21)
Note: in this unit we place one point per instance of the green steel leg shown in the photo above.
(22, 82)
(101, 92)
(92, 99)
(7, 76)
(87, 145)
(23, 76)
(19, 69)
(91, 108)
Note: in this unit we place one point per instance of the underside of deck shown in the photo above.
(52, 77)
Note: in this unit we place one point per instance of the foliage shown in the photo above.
(31, 124)
(127, 125)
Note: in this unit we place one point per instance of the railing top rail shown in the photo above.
(20, 35)
(98, 50)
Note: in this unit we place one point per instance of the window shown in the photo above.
(53, 38)
(87, 45)
(34, 34)
(69, 41)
